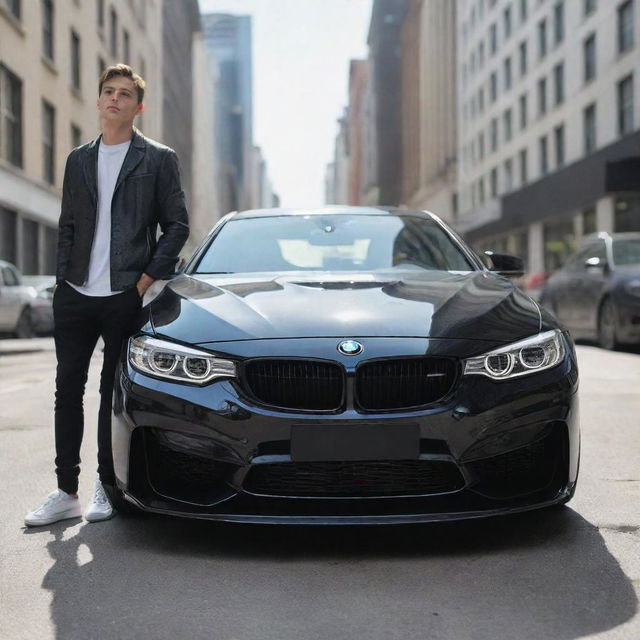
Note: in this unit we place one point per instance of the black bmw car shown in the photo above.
(344, 366)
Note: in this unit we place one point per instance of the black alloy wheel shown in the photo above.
(607, 333)
(24, 328)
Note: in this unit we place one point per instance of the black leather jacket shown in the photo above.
(147, 194)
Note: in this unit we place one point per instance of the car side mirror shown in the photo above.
(596, 265)
(505, 265)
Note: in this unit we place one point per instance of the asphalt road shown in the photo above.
(565, 573)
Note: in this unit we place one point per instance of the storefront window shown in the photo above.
(559, 243)
(589, 224)
(627, 214)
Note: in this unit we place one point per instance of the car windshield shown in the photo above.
(332, 243)
(626, 252)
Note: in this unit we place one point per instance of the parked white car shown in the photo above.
(24, 308)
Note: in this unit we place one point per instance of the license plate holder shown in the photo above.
(368, 441)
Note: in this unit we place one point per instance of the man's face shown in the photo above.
(118, 101)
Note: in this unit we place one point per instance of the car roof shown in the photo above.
(328, 210)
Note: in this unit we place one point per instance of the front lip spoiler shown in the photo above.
(355, 520)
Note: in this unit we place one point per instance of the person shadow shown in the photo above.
(542, 574)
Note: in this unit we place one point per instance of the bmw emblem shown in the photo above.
(350, 347)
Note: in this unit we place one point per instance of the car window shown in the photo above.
(332, 243)
(10, 278)
(626, 252)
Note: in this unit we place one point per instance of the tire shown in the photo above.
(24, 327)
(607, 334)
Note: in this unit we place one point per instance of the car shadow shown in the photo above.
(545, 574)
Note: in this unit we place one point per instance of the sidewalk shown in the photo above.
(10, 346)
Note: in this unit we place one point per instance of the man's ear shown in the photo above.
(140, 108)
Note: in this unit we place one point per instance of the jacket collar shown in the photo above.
(135, 153)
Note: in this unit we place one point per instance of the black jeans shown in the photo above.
(79, 321)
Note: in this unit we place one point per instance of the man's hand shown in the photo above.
(144, 283)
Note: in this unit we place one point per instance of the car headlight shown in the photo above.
(175, 362)
(530, 355)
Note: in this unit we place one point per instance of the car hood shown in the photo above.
(476, 305)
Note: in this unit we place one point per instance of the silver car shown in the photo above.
(25, 309)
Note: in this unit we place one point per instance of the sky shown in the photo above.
(301, 53)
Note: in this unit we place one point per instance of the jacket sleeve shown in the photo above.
(66, 224)
(172, 217)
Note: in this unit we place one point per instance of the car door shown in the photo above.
(588, 285)
(564, 282)
(9, 299)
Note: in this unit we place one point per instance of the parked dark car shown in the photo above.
(343, 366)
(597, 292)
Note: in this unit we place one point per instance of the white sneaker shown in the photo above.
(58, 506)
(99, 508)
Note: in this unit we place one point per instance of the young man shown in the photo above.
(117, 190)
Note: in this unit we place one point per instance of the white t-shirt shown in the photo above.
(110, 159)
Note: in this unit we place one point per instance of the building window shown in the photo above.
(481, 54)
(542, 96)
(523, 111)
(30, 249)
(542, 38)
(48, 142)
(76, 136)
(507, 74)
(100, 14)
(589, 119)
(494, 182)
(75, 60)
(627, 214)
(493, 38)
(508, 127)
(558, 82)
(493, 86)
(589, 222)
(625, 106)
(126, 46)
(508, 175)
(494, 134)
(481, 150)
(589, 6)
(558, 134)
(558, 22)
(523, 57)
(8, 234)
(481, 196)
(625, 26)
(14, 8)
(506, 16)
(523, 167)
(524, 12)
(590, 57)
(481, 99)
(10, 117)
(47, 29)
(544, 155)
(101, 66)
(114, 33)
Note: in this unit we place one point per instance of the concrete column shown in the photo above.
(605, 220)
(578, 231)
(536, 248)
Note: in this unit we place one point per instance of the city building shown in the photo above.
(228, 39)
(358, 77)
(428, 102)
(385, 70)
(51, 55)
(549, 124)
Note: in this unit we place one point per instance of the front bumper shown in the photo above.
(206, 452)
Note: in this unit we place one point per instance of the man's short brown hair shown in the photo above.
(125, 71)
